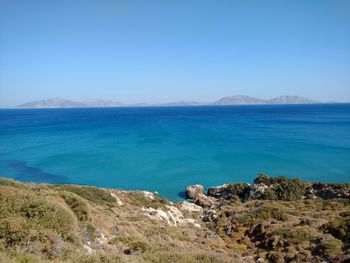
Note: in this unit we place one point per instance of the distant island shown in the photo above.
(230, 100)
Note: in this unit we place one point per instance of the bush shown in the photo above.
(13, 230)
(26, 217)
(183, 257)
(282, 188)
(339, 227)
(98, 258)
(140, 199)
(134, 244)
(295, 235)
(329, 247)
(77, 204)
(261, 213)
(13, 183)
(91, 193)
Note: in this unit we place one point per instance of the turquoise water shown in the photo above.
(164, 149)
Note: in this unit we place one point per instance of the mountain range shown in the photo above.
(230, 100)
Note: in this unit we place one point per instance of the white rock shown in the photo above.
(102, 239)
(157, 214)
(193, 222)
(119, 202)
(257, 190)
(191, 207)
(88, 249)
(148, 195)
(172, 216)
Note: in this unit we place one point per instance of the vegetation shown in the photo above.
(91, 193)
(80, 224)
(282, 188)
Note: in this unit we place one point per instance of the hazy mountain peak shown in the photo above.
(53, 102)
(290, 99)
(56, 102)
(102, 103)
(239, 99)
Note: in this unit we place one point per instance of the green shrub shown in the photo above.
(295, 235)
(261, 213)
(134, 244)
(98, 258)
(26, 216)
(13, 230)
(282, 188)
(140, 199)
(329, 247)
(183, 257)
(13, 183)
(77, 204)
(339, 227)
(49, 214)
(91, 193)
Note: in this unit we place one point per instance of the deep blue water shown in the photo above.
(164, 149)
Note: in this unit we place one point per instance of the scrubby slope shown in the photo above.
(235, 223)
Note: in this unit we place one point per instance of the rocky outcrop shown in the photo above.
(238, 191)
(331, 191)
(170, 214)
(204, 201)
(226, 225)
(193, 190)
(191, 207)
(278, 188)
(119, 202)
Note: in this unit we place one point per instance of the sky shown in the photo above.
(162, 51)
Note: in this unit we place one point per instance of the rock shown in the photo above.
(150, 196)
(248, 259)
(257, 190)
(193, 190)
(229, 230)
(331, 191)
(88, 249)
(172, 216)
(210, 216)
(119, 202)
(191, 207)
(192, 222)
(204, 201)
(239, 191)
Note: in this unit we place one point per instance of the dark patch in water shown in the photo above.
(181, 194)
(27, 173)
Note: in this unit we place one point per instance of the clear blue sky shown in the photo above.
(152, 51)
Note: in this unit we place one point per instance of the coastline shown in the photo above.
(239, 222)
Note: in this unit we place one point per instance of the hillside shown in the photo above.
(274, 220)
(291, 100)
(52, 103)
(230, 100)
(63, 103)
(239, 99)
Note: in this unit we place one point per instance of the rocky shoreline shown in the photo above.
(269, 188)
(275, 219)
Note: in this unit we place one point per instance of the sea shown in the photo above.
(164, 149)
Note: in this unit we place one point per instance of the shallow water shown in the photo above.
(166, 148)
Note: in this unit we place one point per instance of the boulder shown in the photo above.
(204, 201)
(193, 190)
(257, 190)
